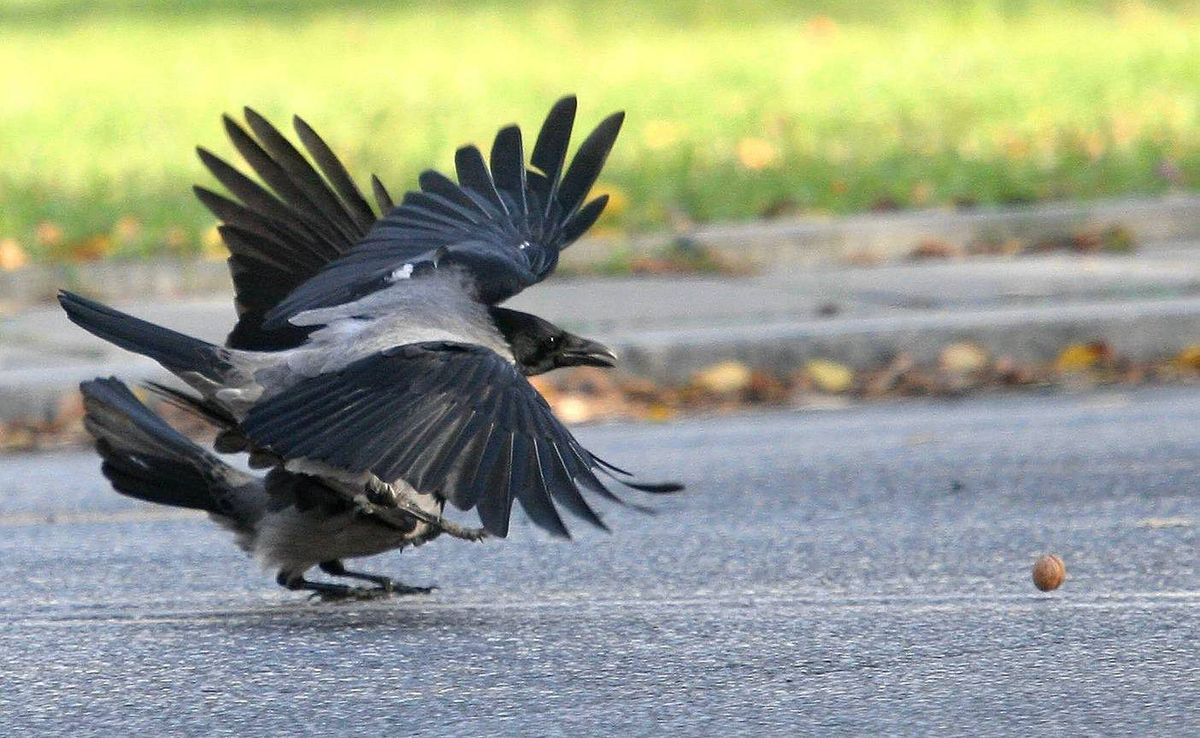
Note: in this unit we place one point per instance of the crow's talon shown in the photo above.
(406, 589)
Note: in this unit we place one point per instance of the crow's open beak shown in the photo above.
(581, 352)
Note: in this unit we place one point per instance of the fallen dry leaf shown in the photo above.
(618, 201)
(12, 256)
(756, 153)
(660, 413)
(829, 376)
(921, 193)
(1189, 358)
(127, 229)
(175, 238)
(48, 234)
(91, 248)
(661, 134)
(725, 378)
(573, 409)
(964, 358)
(934, 248)
(212, 246)
(765, 388)
(1080, 357)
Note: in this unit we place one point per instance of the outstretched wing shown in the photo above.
(503, 223)
(451, 419)
(282, 232)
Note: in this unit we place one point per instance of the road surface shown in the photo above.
(862, 570)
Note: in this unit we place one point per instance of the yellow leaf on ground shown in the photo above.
(212, 246)
(724, 378)
(921, 193)
(91, 248)
(127, 229)
(964, 358)
(49, 233)
(176, 238)
(618, 201)
(12, 256)
(1080, 357)
(934, 248)
(1189, 358)
(756, 153)
(573, 409)
(661, 134)
(829, 376)
(660, 413)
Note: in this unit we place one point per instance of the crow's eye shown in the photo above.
(552, 342)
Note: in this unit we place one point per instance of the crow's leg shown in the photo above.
(328, 591)
(380, 494)
(335, 568)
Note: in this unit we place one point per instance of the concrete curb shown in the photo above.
(813, 241)
(41, 395)
(1145, 330)
(802, 241)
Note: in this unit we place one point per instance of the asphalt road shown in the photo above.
(863, 570)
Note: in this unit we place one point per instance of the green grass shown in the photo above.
(844, 103)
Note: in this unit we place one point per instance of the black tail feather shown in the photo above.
(657, 488)
(147, 459)
(172, 349)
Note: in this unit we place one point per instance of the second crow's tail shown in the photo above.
(147, 459)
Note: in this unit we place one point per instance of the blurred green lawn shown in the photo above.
(734, 108)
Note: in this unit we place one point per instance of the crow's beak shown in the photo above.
(580, 351)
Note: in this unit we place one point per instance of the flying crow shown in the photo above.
(371, 364)
(310, 238)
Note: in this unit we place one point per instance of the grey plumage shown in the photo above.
(290, 522)
(503, 229)
(370, 368)
(397, 398)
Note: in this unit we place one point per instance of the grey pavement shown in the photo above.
(808, 241)
(860, 571)
(1146, 305)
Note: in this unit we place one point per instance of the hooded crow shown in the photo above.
(370, 363)
(290, 522)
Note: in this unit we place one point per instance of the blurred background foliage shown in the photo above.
(736, 110)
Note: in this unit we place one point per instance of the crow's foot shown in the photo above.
(387, 584)
(329, 592)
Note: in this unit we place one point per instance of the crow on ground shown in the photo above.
(371, 366)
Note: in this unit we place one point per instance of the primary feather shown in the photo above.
(504, 225)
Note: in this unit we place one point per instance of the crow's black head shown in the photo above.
(539, 345)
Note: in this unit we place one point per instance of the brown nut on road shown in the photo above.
(1049, 572)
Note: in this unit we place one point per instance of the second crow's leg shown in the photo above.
(327, 590)
(337, 569)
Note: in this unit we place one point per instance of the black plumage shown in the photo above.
(504, 226)
(281, 235)
(309, 238)
(452, 419)
(367, 444)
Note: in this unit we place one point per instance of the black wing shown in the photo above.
(452, 419)
(282, 232)
(502, 222)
